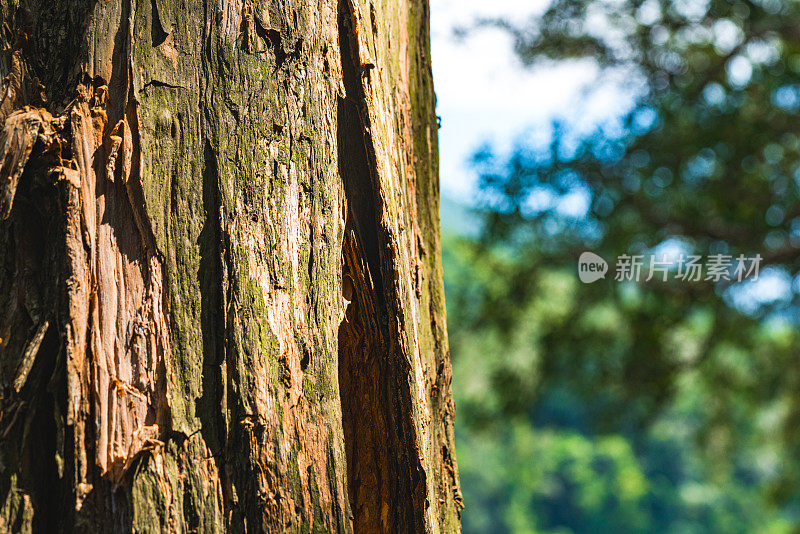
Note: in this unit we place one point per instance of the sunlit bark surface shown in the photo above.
(221, 299)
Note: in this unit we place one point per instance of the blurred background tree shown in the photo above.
(638, 407)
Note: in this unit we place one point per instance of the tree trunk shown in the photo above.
(221, 299)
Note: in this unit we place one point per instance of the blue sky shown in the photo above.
(485, 95)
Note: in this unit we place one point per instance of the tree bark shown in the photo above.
(221, 298)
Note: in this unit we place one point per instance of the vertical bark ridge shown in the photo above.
(385, 474)
(395, 102)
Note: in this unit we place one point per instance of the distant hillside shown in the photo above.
(458, 218)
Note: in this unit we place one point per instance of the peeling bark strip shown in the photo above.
(21, 131)
(117, 335)
(123, 310)
(221, 303)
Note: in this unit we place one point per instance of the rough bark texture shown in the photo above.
(221, 300)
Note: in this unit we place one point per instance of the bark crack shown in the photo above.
(159, 83)
(386, 482)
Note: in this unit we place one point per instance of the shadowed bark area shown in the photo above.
(365, 408)
(221, 303)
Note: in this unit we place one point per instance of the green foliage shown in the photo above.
(553, 438)
(638, 407)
